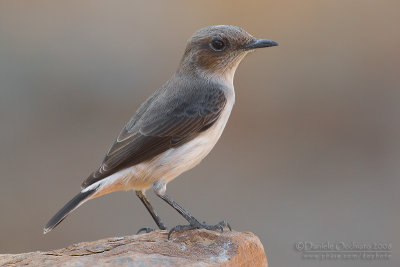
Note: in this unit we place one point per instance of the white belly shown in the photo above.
(169, 164)
(176, 161)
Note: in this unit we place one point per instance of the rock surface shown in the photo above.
(187, 248)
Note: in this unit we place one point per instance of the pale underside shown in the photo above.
(169, 164)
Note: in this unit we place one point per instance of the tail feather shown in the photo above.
(74, 203)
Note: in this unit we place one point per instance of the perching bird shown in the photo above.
(176, 127)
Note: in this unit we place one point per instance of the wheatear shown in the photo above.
(176, 127)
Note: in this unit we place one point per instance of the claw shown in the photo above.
(224, 223)
(219, 226)
(145, 229)
(179, 228)
(215, 227)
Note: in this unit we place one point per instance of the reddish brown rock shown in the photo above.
(188, 248)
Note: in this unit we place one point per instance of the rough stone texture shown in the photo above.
(188, 248)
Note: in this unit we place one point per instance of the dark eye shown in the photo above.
(218, 45)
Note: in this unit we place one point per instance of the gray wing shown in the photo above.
(169, 118)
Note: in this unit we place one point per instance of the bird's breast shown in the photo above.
(171, 163)
(175, 161)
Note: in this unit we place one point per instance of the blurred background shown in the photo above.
(311, 151)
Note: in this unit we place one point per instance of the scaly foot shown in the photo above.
(146, 230)
(219, 226)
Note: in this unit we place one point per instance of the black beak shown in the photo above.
(259, 43)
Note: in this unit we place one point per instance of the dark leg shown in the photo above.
(159, 188)
(153, 214)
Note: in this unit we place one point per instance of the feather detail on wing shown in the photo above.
(171, 117)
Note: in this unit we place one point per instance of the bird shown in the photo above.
(175, 128)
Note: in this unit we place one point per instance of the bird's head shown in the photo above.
(218, 50)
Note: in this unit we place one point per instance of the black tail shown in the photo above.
(67, 209)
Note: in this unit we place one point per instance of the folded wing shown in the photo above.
(171, 117)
